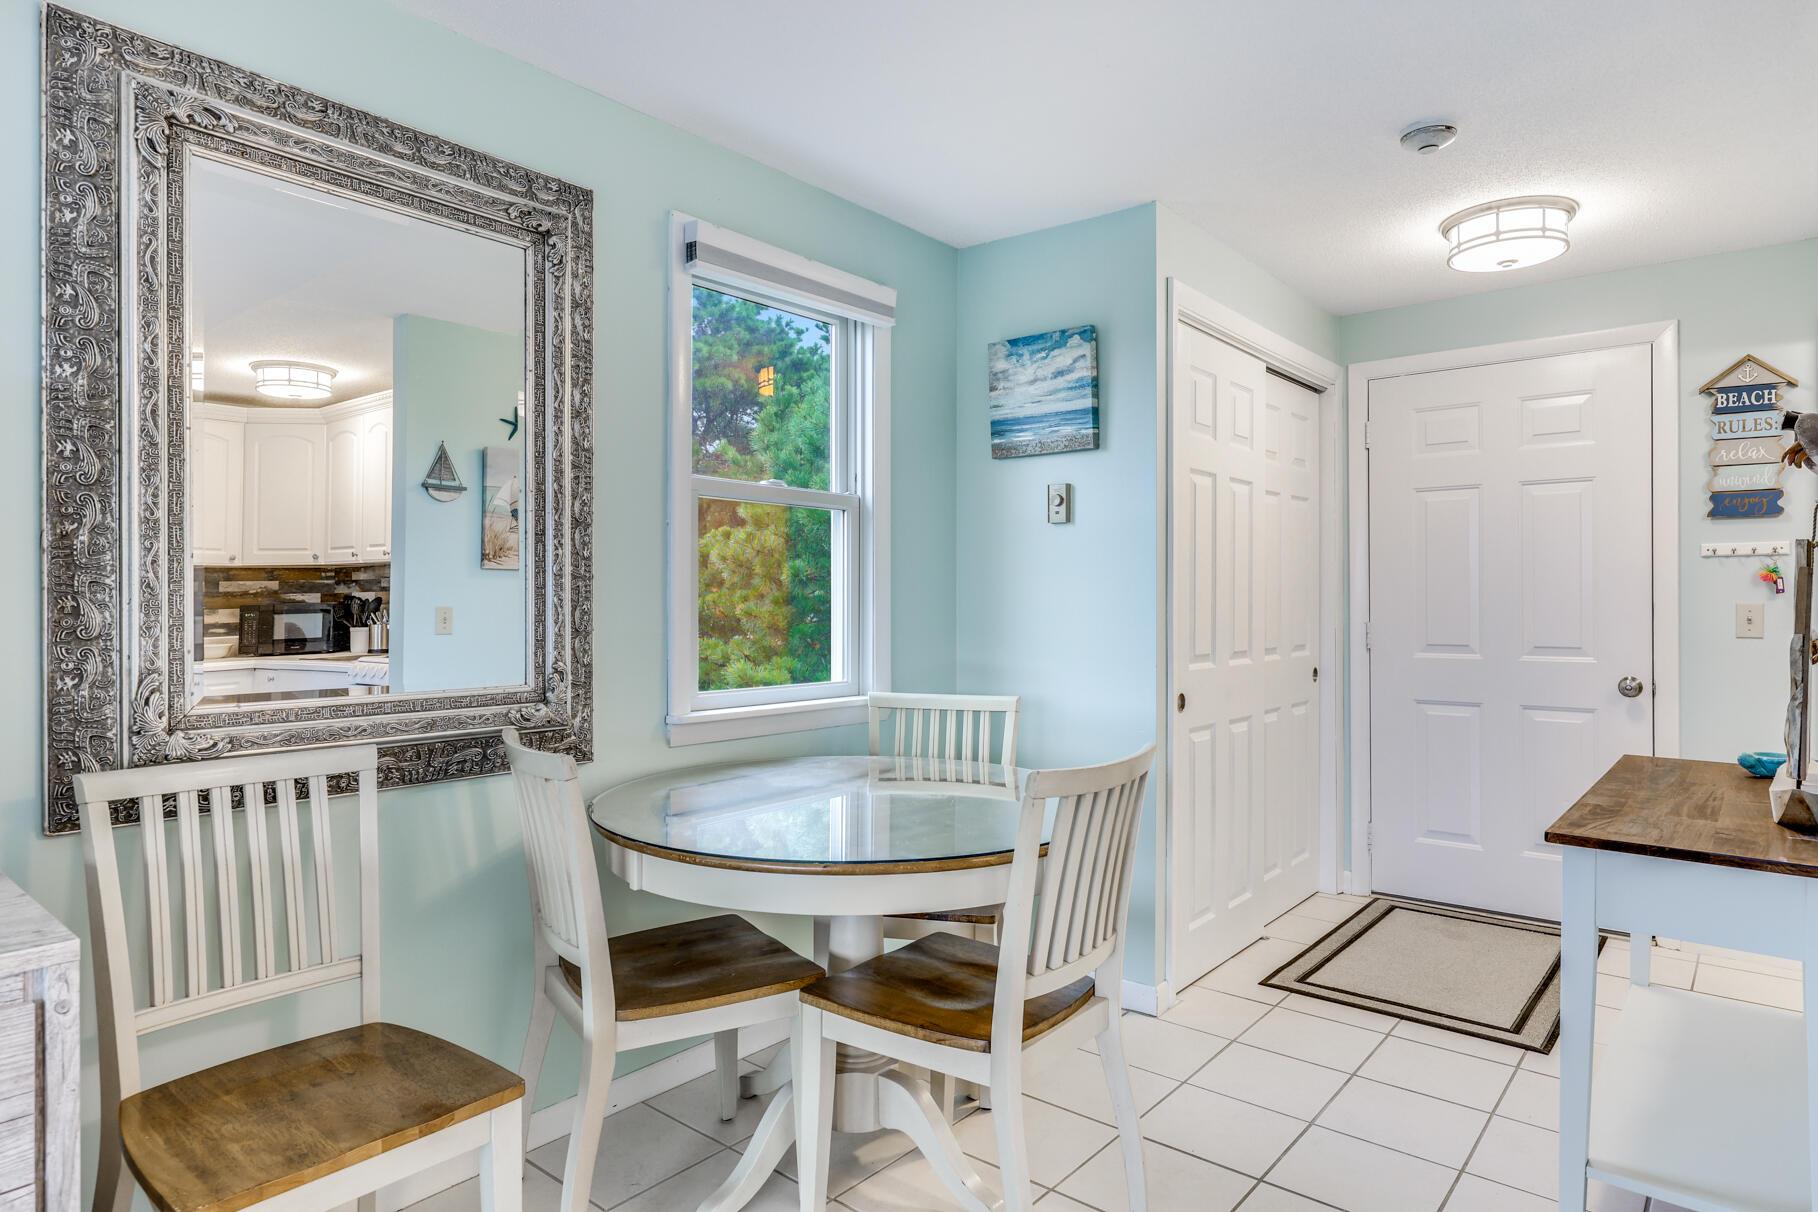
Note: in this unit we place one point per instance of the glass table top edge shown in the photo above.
(820, 815)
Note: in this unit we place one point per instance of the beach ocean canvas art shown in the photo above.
(499, 525)
(1044, 393)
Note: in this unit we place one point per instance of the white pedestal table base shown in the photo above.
(869, 1095)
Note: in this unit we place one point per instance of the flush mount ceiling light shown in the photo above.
(286, 380)
(1511, 233)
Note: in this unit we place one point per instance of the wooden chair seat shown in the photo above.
(940, 989)
(697, 965)
(984, 915)
(224, 1138)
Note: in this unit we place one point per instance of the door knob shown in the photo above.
(1629, 688)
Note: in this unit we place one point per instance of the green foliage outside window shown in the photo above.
(762, 394)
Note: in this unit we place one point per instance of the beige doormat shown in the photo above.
(1478, 974)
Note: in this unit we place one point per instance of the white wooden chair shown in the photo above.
(239, 906)
(952, 733)
(706, 977)
(959, 1006)
(961, 727)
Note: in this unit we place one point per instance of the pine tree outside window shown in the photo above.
(774, 549)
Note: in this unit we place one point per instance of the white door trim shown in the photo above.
(1663, 338)
(1323, 375)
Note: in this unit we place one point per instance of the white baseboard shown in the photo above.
(554, 1121)
(1151, 1000)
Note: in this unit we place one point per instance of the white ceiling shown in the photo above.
(1683, 126)
(281, 270)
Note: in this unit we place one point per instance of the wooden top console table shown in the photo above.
(1698, 1100)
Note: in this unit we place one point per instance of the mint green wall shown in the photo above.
(455, 899)
(450, 384)
(1190, 253)
(1763, 301)
(1067, 616)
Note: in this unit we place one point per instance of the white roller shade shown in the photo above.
(729, 257)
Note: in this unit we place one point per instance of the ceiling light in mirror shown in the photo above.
(284, 380)
(1511, 233)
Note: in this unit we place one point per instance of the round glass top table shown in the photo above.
(847, 841)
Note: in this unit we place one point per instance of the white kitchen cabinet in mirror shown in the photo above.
(218, 494)
(346, 473)
(286, 466)
(265, 259)
(344, 485)
(374, 426)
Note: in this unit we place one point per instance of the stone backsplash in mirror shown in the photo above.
(221, 591)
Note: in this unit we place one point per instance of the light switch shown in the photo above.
(445, 620)
(1748, 620)
(1060, 503)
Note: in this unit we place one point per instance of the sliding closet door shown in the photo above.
(1244, 607)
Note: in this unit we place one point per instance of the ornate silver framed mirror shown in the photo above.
(318, 427)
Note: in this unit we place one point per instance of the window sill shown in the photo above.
(767, 719)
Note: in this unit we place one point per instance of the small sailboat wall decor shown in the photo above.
(442, 483)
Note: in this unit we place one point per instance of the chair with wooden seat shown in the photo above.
(234, 900)
(964, 1007)
(952, 733)
(706, 977)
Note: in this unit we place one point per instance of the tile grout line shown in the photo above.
(1181, 1083)
(1308, 1126)
(1482, 1132)
(1356, 1074)
(1118, 1139)
(722, 1147)
(1359, 1073)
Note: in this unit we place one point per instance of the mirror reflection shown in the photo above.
(358, 520)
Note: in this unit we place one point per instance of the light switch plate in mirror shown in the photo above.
(123, 114)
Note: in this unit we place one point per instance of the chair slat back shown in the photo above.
(1065, 916)
(566, 902)
(950, 727)
(210, 894)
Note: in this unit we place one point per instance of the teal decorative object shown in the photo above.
(1761, 765)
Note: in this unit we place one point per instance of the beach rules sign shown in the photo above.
(1748, 403)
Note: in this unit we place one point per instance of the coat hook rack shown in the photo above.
(1761, 547)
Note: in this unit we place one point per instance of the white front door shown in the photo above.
(1510, 594)
(1244, 613)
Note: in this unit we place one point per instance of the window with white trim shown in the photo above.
(779, 398)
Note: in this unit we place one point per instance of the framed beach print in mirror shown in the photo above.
(318, 435)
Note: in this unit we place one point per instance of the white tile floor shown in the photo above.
(1252, 1100)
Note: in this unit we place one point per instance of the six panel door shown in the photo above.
(1244, 562)
(1510, 593)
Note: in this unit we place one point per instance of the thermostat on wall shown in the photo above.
(1060, 503)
